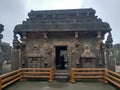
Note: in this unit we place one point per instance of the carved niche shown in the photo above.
(35, 57)
(88, 57)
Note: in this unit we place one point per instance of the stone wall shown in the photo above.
(41, 51)
(116, 48)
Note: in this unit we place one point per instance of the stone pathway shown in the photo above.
(37, 85)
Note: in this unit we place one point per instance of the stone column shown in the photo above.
(109, 53)
(75, 55)
(22, 48)
(15, 53)
(100, 50)
(69, 50)
(47, 52)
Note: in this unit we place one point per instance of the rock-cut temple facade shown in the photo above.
(75, 34)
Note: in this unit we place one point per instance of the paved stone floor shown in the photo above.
(37, 85)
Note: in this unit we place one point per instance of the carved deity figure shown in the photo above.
(47, 54)
(35, 52)
(35, 57)
(87, 53)
(76, 54)
(109, 52)
(15, 53)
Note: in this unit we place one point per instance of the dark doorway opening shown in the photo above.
(61, 50)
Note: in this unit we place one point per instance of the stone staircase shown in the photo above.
(61, 75)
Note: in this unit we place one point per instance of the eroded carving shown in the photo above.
(47, 54)
(76, 54)
(87, 53)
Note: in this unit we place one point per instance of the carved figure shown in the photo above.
(76, 53)
(87, 53)
(47, 54)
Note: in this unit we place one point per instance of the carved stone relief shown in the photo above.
(47, 54)
(35, 57)
(87, 53)
(76, 55)
(88, 57)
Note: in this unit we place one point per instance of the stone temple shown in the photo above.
(75, 33)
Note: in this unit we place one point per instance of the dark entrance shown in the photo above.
(61, 50)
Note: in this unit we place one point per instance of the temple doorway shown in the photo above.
(61, 59)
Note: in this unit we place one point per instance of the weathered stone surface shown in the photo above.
(5, 50)
(63, 20)
(116, 48)
(110, 61)
(77, 33)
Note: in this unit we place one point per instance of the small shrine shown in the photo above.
(75, 34)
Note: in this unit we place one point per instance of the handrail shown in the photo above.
(23, 73)
(90, 69)
(86, 73)
(113, 77)
(35, 69)
(10, 73)
(95, 73)
(9, 78)
(76, 73)
(38, 73)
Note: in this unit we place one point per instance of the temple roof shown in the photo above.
(63, 20)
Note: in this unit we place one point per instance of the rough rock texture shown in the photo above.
(116, 48)
(5, 50)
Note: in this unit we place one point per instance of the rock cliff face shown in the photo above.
(116, 48)
(5, 50)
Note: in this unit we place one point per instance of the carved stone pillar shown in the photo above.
(109, 53)
(15, 53)
(22, 48)
(75, 55)
(100, 50)
(69, 50)
(47, 52)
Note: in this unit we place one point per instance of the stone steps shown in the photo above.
(61, 75)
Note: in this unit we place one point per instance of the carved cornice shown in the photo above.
(63, 20)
